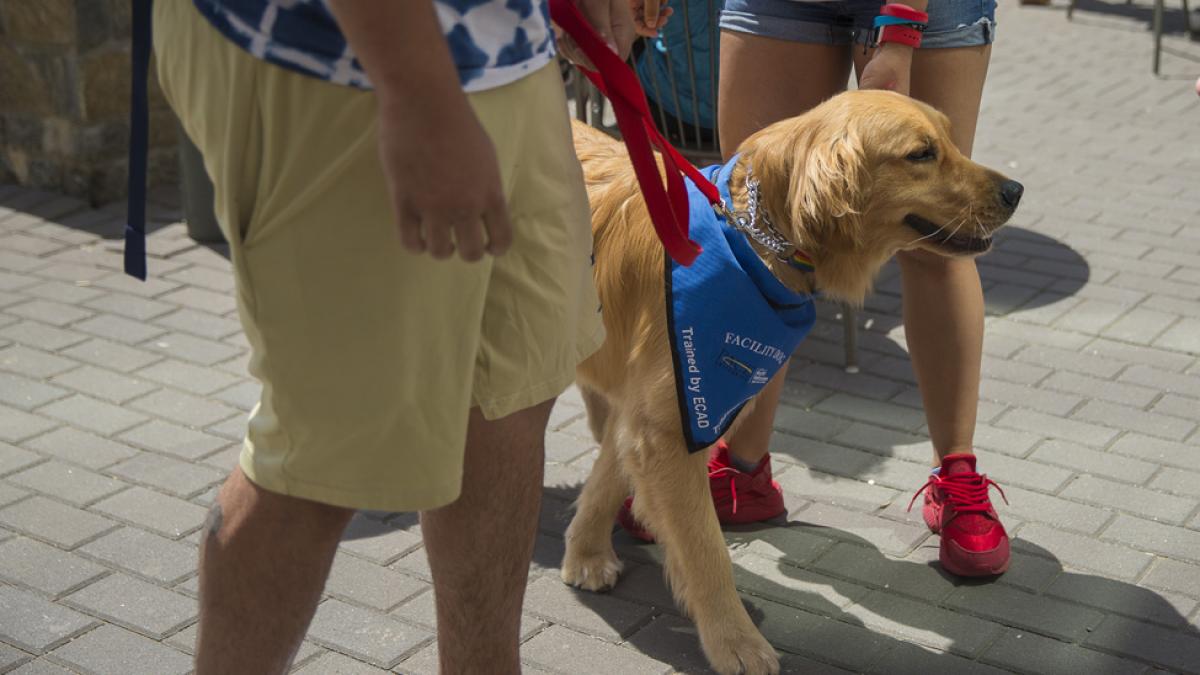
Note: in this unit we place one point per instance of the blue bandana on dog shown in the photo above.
(732, 323)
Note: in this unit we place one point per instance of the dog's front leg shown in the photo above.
(590, 562)
(673, 498)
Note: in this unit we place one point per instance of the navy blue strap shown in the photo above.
(139, 128)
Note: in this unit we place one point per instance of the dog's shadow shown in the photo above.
(829, 600)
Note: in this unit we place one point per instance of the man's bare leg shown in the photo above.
(479, 547)
(264, 558)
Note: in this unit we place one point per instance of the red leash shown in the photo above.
(668, 208)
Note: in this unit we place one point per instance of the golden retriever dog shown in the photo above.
(860, 177)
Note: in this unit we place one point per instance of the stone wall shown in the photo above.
(64, 99)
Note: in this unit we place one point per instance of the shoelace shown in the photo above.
(966, 492)
(733, 474)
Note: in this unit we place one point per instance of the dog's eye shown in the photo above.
(923, 155)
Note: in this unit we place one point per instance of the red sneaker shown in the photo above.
(739, 497)
(957, 507)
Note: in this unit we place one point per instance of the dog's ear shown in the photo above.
(816, 179)
(829, 186)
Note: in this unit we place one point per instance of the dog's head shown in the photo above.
(870, 173)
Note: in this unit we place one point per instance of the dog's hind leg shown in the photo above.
(590, 561)
(673, 499)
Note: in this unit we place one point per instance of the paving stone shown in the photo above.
(1092, 387)
(1019, 609)
(1119, 597)
(844, 492)
(11, 657)
(1147, 503)
(888, 536)
(1022, 651)
(375, 638)
(140, 309)
(887, 442)
(155, 511)
(119, 329)
(144, 554)
(1151, 536)
(1156, 450)
(111, 355)
(80, 447)
(1051, 426)
(92, 414)
(825, 457)
(104, 384)
(45, 311)
(170, 475)
(49, 520)
(1012, 442)
(58, 291)
(1146, 641)
(69, 483)
(1087, 460)
(1149, 356)
(245, 395)
(109, 649)
(1178, 406)
(37, 625)
(1174, 576)
(1111, 414)
(1142, 326)
(910, 576)
(673, 641)
(202, 300)
(1022, 396)
(378, 542)
(1184, 336)
(1176, 481)
(924, 624)
(13, 459)
(33, 363)
(189, 378)
(174, 440)
(135, 604)
(365, 583)
(43, 568)
(828, 640)
(1034, 475)
(1161, 380)
(124, 285)
(332, 663)
(10, 494)
(875, 412)
(797, 544)
(561, 650)
(596, 614)
(201, 324)
(795, 586)
(41, 336)
(191, 348)
(183, 408)
(861, 384)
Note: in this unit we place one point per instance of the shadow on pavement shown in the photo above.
(820, 592)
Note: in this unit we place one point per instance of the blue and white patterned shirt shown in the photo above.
(493, 42)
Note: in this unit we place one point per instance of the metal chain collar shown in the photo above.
(748, 221)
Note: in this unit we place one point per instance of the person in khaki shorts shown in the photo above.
(411, 243)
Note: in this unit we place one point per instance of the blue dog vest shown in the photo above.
(732, 323)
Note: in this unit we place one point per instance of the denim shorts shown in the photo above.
(952, 23)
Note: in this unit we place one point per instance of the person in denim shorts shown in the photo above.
(778, 59)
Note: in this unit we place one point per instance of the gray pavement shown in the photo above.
(121, 406)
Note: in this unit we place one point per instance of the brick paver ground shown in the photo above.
(121, 405)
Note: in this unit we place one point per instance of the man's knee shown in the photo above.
(244, 506)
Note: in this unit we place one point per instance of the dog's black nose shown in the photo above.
(1010, 192)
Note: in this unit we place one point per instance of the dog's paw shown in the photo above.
(744, 652)
(597, 572)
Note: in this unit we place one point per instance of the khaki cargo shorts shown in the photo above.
(371, 358)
